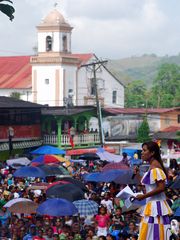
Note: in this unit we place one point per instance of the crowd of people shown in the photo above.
(113, 220)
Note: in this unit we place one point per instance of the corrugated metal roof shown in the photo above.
(8, 102)
(15, 72)
(62, 111)
(117, 111)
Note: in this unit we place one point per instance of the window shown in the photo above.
(64, 43)
(46, 81)
(114, 97)
(178, 119)
(92, 86)
(48, 43)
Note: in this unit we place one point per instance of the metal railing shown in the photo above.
(79, 139)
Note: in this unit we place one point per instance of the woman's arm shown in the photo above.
(160, 188)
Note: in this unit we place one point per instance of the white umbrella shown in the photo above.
(15, 200)
(18, 161)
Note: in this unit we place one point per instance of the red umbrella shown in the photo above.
(113, 166)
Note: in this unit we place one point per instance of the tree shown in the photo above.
(7, 9)
(178, 136)
(143, 131)
(135, 94)
(16, 95)
(166, 87)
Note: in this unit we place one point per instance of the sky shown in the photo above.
(112, 29)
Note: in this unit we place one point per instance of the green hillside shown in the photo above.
(140, 68)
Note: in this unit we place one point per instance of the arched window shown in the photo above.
(64, 43)
(48, 43)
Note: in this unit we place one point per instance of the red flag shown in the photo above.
(71, 138)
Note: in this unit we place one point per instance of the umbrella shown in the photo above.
(111, 175)
(111, 166)
(26, 207)
(69, 192)
(92, 177)
(45, 159)
(117, 176)
(57, 183)
(57, 207)
(110, 157)
(86, 207)
(15, 200)
(126, 178)
(18, 161)
(89, 156)
(75, 182)
(46, 149)
(29, 171)
(53, 170)
(177, 212)
(176, 183)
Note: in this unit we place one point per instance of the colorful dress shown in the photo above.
(155, 221)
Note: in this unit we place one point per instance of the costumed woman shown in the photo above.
(155, 222)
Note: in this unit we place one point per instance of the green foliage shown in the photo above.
(143, 131)
(16, 95)
(7, 9)
(135, 93)
(178, 136)
(166, 87)
(164, 93)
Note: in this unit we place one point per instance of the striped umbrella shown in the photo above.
(86, 207)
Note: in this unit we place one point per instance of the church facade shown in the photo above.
(58, 77)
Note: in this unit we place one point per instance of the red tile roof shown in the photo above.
(117, 111)
(15, 72)
(171, 129)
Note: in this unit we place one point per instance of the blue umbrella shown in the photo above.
(126, 178)
(29, 171)
(57, 207)
(177, 212)
(46, 149)
(91, 177)
(111, 175)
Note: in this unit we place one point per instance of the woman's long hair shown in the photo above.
(153, 147)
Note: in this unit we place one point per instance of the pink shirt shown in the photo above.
(102, 220)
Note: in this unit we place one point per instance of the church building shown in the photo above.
(56, 76)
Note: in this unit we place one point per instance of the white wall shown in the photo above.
(46, 93)
(110, 85)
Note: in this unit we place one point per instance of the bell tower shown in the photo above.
(54, 34)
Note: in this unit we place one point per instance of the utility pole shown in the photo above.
(95, 66)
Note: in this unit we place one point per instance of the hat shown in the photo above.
(6, 193)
